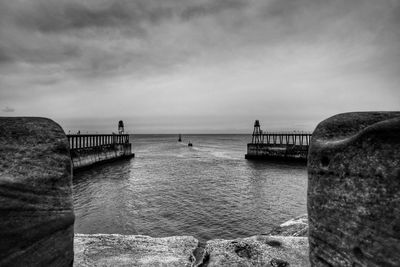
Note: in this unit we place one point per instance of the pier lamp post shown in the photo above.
(121, 127)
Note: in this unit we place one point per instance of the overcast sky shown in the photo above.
(200, 66)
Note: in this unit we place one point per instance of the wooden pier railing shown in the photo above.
(287, 146)
(78, 141)
(282, 138)
(90, 149)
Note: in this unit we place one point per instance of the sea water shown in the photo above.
(206, 191)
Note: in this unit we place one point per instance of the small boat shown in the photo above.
(180, 138)
(190, 144)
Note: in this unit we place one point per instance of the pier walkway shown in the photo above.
(91, 149)
(286, 146)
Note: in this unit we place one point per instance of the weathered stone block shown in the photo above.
(354, 190)
(36, 209)
(275, 251)
(133, 250)
(138, 250)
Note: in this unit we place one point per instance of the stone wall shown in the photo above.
(276, 152)
(88, 157)
(354, 190)
(36, 208)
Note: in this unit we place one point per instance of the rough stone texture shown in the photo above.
(136, 250)
(276, 251)
(354, 190)
(294, 227)
(133, 250)
(36, 226)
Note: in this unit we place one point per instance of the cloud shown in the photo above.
(54, 16)
(119, 37)
(175, 57)
(4, 57)
(8, 109)
(106, 37)
(211, 8)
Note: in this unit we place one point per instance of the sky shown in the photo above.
(197, 66)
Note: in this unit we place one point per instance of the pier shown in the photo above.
(282, 146)
(92, 149)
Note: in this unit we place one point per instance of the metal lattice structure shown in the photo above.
(257, 133)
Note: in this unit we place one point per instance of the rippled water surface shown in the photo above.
(207, 191)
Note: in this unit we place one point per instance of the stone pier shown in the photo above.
(88, 150)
